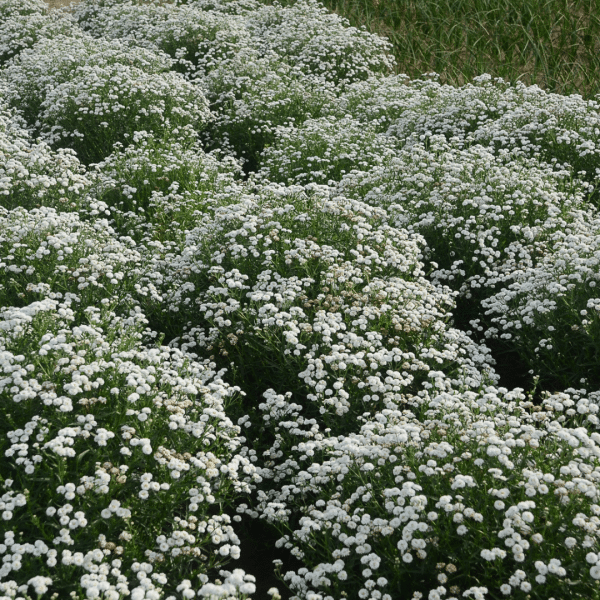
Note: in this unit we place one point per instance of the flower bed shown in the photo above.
(233, 251)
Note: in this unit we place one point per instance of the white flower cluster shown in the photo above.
(235, 582)
(518, 120)
(32, 174)
(294, 58)
(252, 94)
(304, 34)
(198, 39)
(158, 188)
(494, 228)
(103, 368)
(21, 26)
(319, 42)
(392, 493)
(326, 290)
(98, 93)
(51, 62)
(10, 8)
(64, 257)
(563, 282)
(323, 150)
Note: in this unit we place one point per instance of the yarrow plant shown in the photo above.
(249, 275)
(97, 523)
(381, 508)
(95, 100)
(32, 174)
(323, 291)
(197, 39)
(23, 27)
(151, 186)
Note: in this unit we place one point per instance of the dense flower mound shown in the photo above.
(563, 282)
(323, 150)
(77, 393)
(381, 507)
(198, 39)
(260, 69)
(489, 220)
(50, 254)
(304, 35)
(325, 292)
(14, 8)
(253, 94)
(319, 43)
(218, 215)
(155, 190)
(32, 174)
(517, 120)
(51, 62)
(100, 93)
(23, 30)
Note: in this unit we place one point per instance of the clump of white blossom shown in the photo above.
(324, 292)
(92, 99)
(252, 94)
(493, 225)
(304, 229)
(13, 8)
(551, 308)
(133, 446)
(20, 28)
(156, 190)
(481, 214)
(32, 174)
(323, 150)
(319, 42)
(199, 40)
(58, 255)
(516, 120)
(480, 488)
(51, 62)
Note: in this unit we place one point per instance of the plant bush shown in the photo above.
(563, 282)
(253, 94)
(160, 187)
(75, 100)
(32, 174)
(196, 39)
(320, 43)
(20, 31)
(380, 508)
(322, 151)
(317, 296)
(168, 455)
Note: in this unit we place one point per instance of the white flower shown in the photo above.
(592, 558)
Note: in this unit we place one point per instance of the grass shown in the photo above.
(552, 43)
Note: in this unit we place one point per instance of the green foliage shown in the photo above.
(552, 43)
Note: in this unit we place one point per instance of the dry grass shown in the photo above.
(58, 3)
